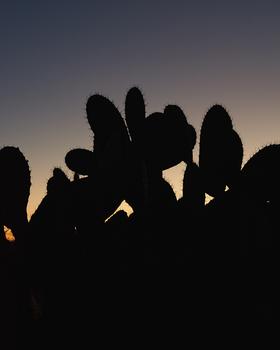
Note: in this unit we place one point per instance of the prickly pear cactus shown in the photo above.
(168, 139)
(103, 189)
(81, 161)
(135, 113)
(260, 175)
(137, 181)
(55, 214)
(184, 134)
(105, 120)
(220, 151)
(193, 191)
(235, 149)
(57, 182)
(14, 188)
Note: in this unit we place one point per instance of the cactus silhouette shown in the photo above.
(14, 189)
(162, 232)
(81, 161)
(161, 140)
(220, 160)
(105, 121)
(220, 151)
(52, 225)
(167, 138)
(15, 185)
(236, 228)
(260, 175)
(137, 179)
(135, 113)
(193, 191)
(101, 192)
(186, 134)
(52, 219)
(51, 232)
(258, 185)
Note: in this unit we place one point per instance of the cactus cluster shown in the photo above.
(159, 141)
(130, 154)
(129, 159)
(220, 162)
(220, 157)
(74, 235)
(165, 138)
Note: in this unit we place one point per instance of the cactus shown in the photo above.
(193, 191)
(137, 174)
(57, 182)
(161, 140)
(220, 152)
(169, 139)
(135, 113)
(235, 157)
(154, 142)
(260, 175)
(81, 161)
(104, 120)
(103, 189)
(14, 188)
(109, 132)
(184, 138)
(53, 220)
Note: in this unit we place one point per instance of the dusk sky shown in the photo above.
(55, 54)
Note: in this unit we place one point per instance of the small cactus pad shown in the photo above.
(135, 112)
(80, 161)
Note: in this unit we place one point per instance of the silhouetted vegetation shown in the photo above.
(79, 270)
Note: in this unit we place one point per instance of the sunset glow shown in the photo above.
(193, 54)
(139, 156)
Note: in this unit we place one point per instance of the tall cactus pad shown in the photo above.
(14, 185)
(221, 151)
(217, 119)
(135, 112)
(235, 149)
(104, 120)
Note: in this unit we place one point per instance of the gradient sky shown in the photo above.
(54, 54)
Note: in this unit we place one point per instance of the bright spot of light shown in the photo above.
(9, 234)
